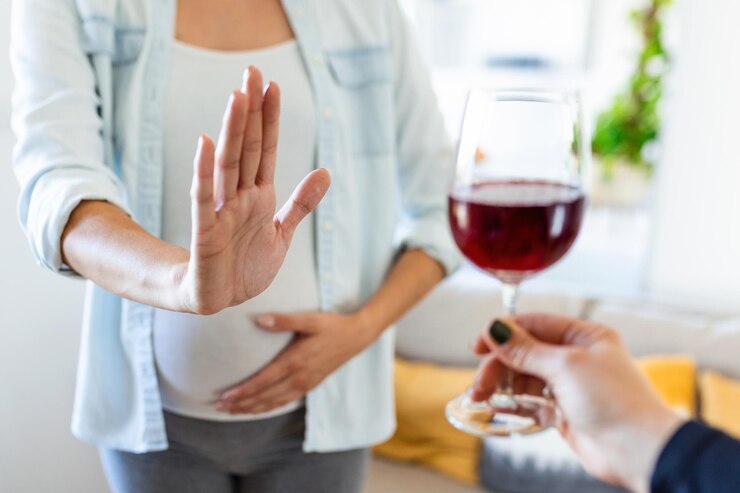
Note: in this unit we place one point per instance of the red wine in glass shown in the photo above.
(513, 229)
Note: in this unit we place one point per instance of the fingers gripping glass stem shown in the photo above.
(505, 413)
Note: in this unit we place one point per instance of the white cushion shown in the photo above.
(650, 328)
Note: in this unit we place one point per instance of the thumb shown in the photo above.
(517, 349)
(304, 200)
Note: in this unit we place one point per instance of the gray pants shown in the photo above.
(262, 456)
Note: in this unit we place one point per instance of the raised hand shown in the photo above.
(238, 242)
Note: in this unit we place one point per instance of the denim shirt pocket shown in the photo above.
(364, 79)
(128, 44)
(101, 35)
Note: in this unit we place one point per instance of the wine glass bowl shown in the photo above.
(513, 229)
(516, 205)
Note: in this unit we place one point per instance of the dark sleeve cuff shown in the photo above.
(698, 459)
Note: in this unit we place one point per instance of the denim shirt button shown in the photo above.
(328, 113)
(327, 225)
(317, 58)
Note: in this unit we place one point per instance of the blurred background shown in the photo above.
(656, 79)
(660, 80)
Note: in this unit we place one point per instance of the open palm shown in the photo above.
(238, 242)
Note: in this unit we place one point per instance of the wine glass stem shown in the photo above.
(509, 293)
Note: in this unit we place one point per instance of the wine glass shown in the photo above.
(516, 205)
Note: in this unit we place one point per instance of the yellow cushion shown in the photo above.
(720, 402)
(674, 377)
(425, 437)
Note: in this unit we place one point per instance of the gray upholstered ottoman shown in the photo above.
(541, 463)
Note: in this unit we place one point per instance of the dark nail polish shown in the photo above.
(500, 332)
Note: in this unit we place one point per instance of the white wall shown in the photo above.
(40, 316)
(697, 251)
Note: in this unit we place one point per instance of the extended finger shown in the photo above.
(201, 193)
(486, 378)
(266, 400)
(545, 327)
(489, 376)
(277, 322)
(252, 146)
(526, 384)
(275, 372)
(270, 132)
(267, 406)
(228, 152)
(304, 200)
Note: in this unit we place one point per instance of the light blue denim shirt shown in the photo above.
(87, 112)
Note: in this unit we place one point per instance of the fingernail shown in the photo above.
(220, 406)
(266, 321)
(265, 88)
(245, 81)
(500, 332)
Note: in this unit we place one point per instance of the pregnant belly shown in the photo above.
(198, 357)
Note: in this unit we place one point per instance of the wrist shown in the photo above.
(182, 296)
(368, 325)
(643, 442)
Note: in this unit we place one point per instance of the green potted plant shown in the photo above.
(627, 132)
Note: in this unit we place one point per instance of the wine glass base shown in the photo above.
(502, 415)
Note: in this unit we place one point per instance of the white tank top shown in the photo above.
(198, 357)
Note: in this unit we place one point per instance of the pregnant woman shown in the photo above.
(226, 347)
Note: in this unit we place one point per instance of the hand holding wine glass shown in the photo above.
(516, 206)
(607, 404)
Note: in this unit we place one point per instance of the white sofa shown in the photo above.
(442, 327)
